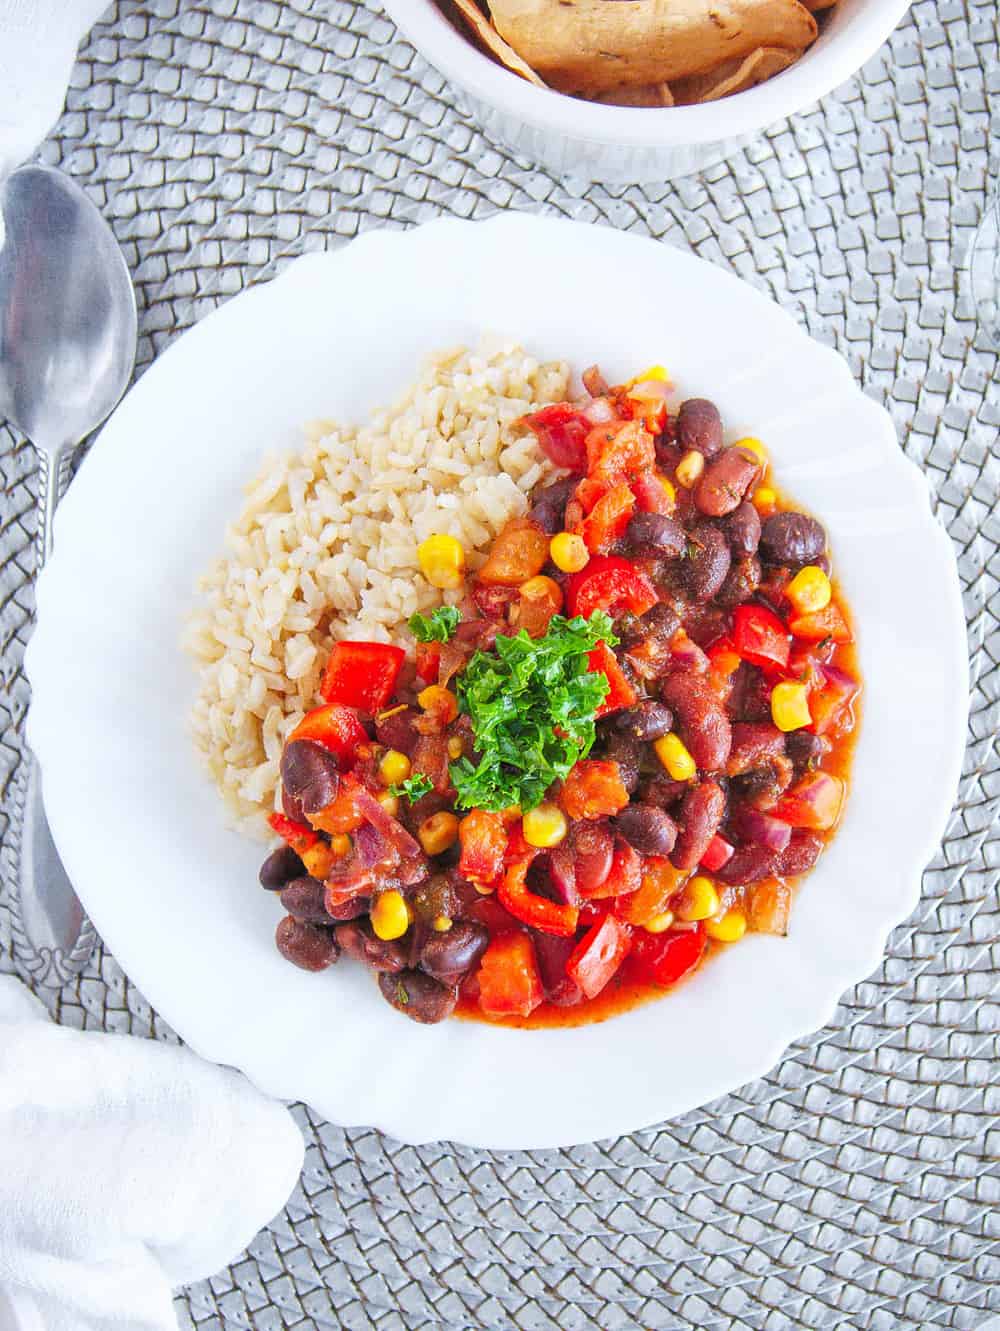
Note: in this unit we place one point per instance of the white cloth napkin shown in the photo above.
(126, 1167)
(38, 44)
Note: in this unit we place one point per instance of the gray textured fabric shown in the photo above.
(857, 1184)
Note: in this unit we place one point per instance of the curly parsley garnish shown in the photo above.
(438, 626)
(414, 787)
(533, 703)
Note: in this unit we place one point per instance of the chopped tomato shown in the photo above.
(719, 852)
(336, 728)
(539, 599)
(658, 882)
(612, 584)
(588, 492)
(830, 700)
(344, 814)
(814, 802)
(651, 495)
(483, 839)
(361, 674)
(294, 834)
(666, 958)
(625, 875)
(607, 520)
(829, 623)
(723, 659)
(621, 693)
(598, 955)
(760, 637)
(517, 847)
(593, 789)
(509, 982)
(561, 431)
(618, 450)
(549, 917)
(428, 660)
(518, 553)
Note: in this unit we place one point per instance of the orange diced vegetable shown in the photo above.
(829, 623)
(607, 520)
(518, 553)
(483, 838)
(593, 789)
(509, 983)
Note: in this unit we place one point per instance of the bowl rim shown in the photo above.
(823, 67)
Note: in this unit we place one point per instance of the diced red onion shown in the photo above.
(761, 828)
(599, 412)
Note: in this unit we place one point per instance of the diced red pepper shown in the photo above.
(336, 728)
(294, 834)
(625, 875)
(719, 852)
(666, 958)
(593, 789)
(607, 520)
(760, 637)
(723, 659)
(814, 802)
(829, 623)
(828, 703)
(620, 693)
(561, 432)
(651, 495)
(592, 912)
(362, 674)
(517, 847)
(483, 839)
(658, 883)
(612, 584)
(549, 917)
(509, 982)
(428, 661)
(598, 955)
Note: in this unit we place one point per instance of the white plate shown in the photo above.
(174, 893)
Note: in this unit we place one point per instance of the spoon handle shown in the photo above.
(52, 936)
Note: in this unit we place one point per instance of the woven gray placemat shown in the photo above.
(857, 1184)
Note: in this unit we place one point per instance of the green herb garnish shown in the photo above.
(438, 626)
(414, 787)
(533, 703)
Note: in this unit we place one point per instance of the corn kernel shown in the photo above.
(659, 924)
(675, 758)
(389, 802)
(441, 924)
(393, 768)
(545, 826)
(689, 469)
(754, 446)
(484, 889)
(390, 916)
(340, 845)
(809, 590)
(657, 373)
(730, 929)
(318, 860)
(436, 698)
(669, 487)
(455, 748)
(541, 588)
(569, 552)
(438, 832)
(764, 499)
(442, 560)
(790, 706)
(698, 901)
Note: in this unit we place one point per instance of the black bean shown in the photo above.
(699, 426)
(626, 751)
(280, 867)
(398, 731)
(741, 581)
(418, 996)
(707, 563)
(305, 899)
(451, 955)
(655, 535)
(646, 721)
(359, 942)
(792, 539)
(742, 529)
(349, 910)
(647, 829)
(306, 945)
(806, 751)
(310, 774)
(548, 506)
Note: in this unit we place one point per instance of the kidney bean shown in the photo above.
(742, 529)
(626, 751)
(792, 538)
(725, 481)
(662, 790)
(700, 816)
(594, 847)
(398, 731)
(805, 750)
(548, 507)
(280, 867)
(699, 426)
(750, 695)
(306, 945)
(800, 854)
(656, 535)
(646, 642)
(493, 600)
(448, 956)
(349, 910)
(418, 996)
(707, 563)
(292, 808)
(310, 773)
(647, 829)
(755, 744)
(705, 624)
(763, 787)
(749, 864)
(305, 899)
(646, 720)
(359, 942)
(561, 863)
(741, 582)
(700, 718)
(552, 955)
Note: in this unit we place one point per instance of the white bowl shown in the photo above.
(142, 833)
(626, 144)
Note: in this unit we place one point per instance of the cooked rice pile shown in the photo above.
(326, 548)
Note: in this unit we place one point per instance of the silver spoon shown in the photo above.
(67, 351)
